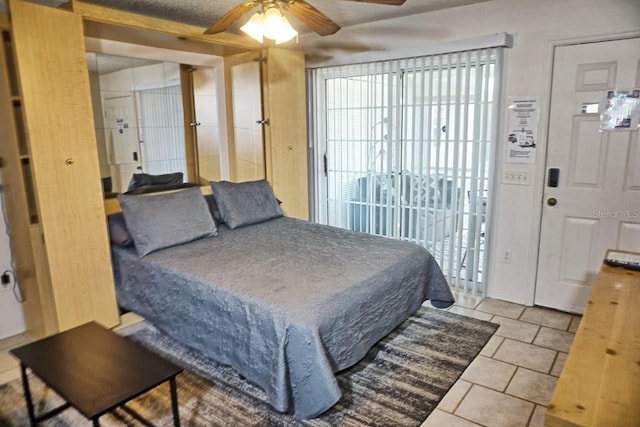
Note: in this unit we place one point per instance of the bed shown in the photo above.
(287, 303)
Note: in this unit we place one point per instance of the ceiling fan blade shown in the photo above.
(230, 17)
(311, 17)
(389, 2)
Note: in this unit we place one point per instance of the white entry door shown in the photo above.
(121, 132)
(596, 203)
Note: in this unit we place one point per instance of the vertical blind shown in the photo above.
(161, 122)
(404, 149)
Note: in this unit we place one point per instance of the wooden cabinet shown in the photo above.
(600, 381)
(59, 166)
(276, 78)
(284, 95)
(51, 172)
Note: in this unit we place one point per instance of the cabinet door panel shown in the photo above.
(282, 98)
(286, 136)
(54, 79)
(244, 110)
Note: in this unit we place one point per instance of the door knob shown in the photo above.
(552, 201)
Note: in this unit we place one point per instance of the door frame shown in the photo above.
(544, 130)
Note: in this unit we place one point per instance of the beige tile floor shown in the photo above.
(511, 381)
(509, 384)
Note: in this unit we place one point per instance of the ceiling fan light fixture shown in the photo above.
(277, 27)
(255, 27)
(287, 33)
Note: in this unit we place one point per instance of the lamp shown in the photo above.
(270, 24)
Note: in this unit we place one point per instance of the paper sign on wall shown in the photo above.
(523, 129)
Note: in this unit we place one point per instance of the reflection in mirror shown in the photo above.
(207, 123)
(138, 112)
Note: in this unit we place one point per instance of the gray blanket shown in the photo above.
(287, 303)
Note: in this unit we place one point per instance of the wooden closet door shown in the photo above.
(244, 113)
(284, 103)
(50, 53)
(282, 97)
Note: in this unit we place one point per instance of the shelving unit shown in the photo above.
(19, 129)
(19, 193)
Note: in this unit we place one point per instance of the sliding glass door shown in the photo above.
(404, 150)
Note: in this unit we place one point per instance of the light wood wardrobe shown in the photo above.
(70, 257)
(50, 169)
(266, 122)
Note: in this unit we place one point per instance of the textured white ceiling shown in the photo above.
(205, 12)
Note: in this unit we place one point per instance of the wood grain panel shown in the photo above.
(49, 46)
(286, 137)
(600, 381)
(16, 206)
(127, 20)
(190, 147)
(230, 64)
(45, 293)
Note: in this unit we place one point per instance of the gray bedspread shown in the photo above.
(287, 303)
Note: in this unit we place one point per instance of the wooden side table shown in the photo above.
(95, 371)
(600, 382)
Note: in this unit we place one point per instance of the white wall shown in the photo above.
(535, 26)
(11, 310)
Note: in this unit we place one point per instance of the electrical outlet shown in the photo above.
(506, 257)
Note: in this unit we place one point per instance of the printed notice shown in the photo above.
(523, 129)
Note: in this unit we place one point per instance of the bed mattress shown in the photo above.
(287, 303)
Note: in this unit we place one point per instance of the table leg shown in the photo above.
(174, 402)
(96, 422)
(27, 395)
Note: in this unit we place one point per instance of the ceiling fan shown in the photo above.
(300, 9)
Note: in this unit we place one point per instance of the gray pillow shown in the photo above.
(167, 219)
(118, 233)
(213, 209)
(245, 203)
(145, 179)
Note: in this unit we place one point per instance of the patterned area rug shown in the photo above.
(398, 383)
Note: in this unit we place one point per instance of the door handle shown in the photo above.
(325, 164)
(554, 177)
(552, 201)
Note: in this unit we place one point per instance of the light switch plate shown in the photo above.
(515, 178)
